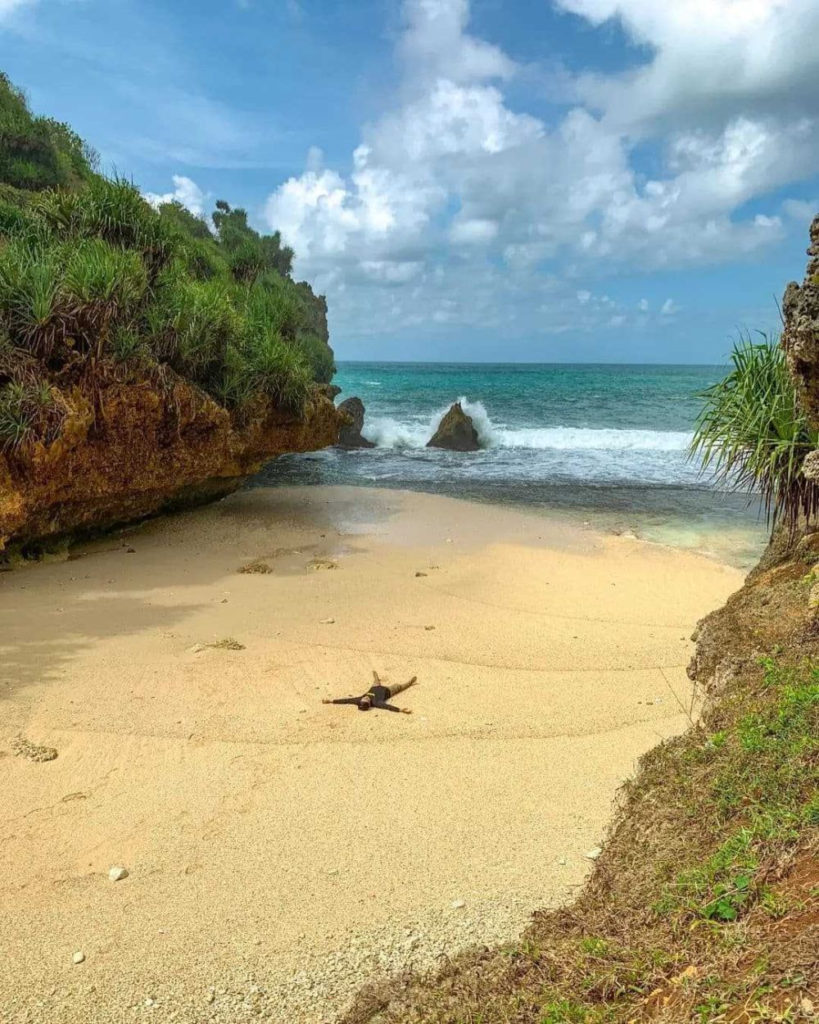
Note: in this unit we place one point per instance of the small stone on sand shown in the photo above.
(595, 853)
(78, 957)
(228, 644)
(458, 904)
(32, 751)
(257, 568)
(116, 874)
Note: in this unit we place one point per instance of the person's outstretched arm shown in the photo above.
(342, 700)
(391, 707)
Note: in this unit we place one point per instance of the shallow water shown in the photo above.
(607, 444)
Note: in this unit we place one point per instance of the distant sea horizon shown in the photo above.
(602, 443)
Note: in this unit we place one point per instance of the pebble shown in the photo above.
(116, 874)
(78, 957)
(595, 853)
(327, 622)
(458, 904)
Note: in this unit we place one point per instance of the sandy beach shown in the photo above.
(280, 852)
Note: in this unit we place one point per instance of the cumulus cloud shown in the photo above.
(710, 59)
(186, 192)
(453, 185)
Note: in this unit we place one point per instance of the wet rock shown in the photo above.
(456, 432)
(352, 423)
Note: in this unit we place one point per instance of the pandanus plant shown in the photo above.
(752, 435)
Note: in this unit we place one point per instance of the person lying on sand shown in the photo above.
(377, 697)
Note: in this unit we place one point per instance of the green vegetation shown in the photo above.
(703, 903)
(37, 152)
(94, 282)
(753, 435)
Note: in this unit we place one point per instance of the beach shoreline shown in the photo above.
(282, 853)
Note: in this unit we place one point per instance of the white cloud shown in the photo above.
(186, 192)
(669, 308)
(473, 232)
(710, 59)
(643, 306)
(454, 185)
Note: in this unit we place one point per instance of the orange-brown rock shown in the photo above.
(139, 449)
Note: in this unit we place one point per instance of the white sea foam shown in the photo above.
(388, 432)
(590, 439)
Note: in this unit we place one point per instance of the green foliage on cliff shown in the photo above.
(94, 281)
(38, 152)
(753, 435)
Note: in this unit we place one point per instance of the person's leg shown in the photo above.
(400, 687)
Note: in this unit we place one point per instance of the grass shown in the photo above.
(752, 435)
(705, 903)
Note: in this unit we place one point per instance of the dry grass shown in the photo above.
(704, 906)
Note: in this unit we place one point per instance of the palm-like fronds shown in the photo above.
(278, 371)
(30, 298)
(752, 435)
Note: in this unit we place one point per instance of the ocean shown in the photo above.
(605, 444)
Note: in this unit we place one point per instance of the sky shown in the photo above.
(469, 180)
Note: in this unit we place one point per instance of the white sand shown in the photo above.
(282, 852)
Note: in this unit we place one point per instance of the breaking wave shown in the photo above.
(389, 432)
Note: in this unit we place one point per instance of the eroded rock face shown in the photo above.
(456, 432)
(800, 338)
(144, 451)
(352, 423)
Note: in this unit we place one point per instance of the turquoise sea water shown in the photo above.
(603, 443)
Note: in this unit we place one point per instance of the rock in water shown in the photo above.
(456, 431)
(350, 435)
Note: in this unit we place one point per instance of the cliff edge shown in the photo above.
(142, 451)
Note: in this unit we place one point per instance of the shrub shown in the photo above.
(278, 370)
(752, 434)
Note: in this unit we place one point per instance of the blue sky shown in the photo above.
(612, 180)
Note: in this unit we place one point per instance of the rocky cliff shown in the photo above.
(800, 338)
(135, 450)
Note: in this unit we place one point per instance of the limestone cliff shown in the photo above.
(135, 450)
(800, 338)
